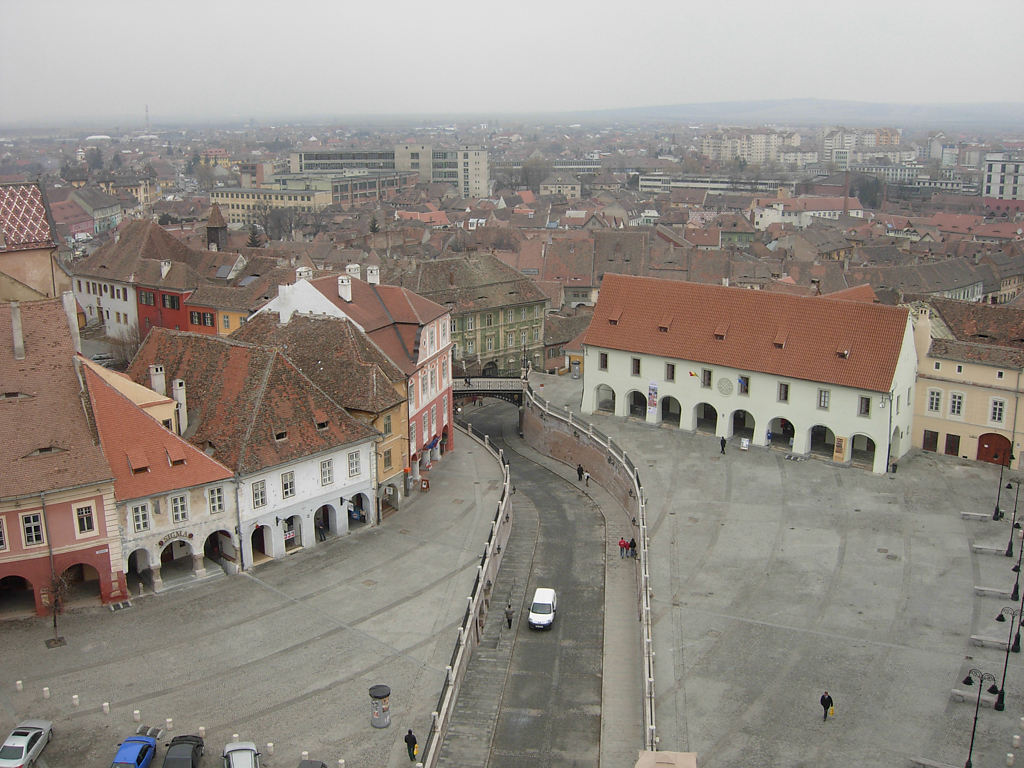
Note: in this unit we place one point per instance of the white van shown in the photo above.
(542, 609)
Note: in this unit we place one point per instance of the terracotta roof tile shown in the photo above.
(146, 458)
(23, 220)
(240, 394)
(55, 445)
(815, 329)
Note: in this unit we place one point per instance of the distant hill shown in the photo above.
(827, 111)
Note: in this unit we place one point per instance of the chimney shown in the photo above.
(178, 393)
(165, 267)
(303, 273)
(352, 270)
(19, 338)
(156, 379)
(71, 310)
(725, 282)
(373, 275)
(345, 288)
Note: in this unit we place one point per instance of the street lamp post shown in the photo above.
(981, 677)
(997, 514)
(1013, 613)
(1014, 525)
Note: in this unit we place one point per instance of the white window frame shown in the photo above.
(141, 519)
(3, 536)
(179, 508)
(215, 500)
(37, 523)
(997, 408)
(91, 515)
(288, 484)
(934, 402)
(259, 494)
(956, 405)
(327, 472)
(354, 464)
(864, 406)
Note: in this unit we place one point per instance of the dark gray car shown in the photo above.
(184, 752)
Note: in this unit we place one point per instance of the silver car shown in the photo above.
(26, 742)
(241, 754)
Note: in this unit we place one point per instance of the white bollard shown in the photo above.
(234, 737)
(74, 699)
(341, 764)
(1009, 758)
(136, 715)
(202, 731)
(305, 755)
(106, 707)
(46, 695)
(170, 723)
(141, 588)
(1016, 740)
(1021, 725)
(270, 747)
(18, 686)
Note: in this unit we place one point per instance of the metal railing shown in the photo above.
(581, 429)
(477, 605)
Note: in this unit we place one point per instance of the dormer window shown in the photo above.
(281, 435)
(137, 461)
(843, 353)
(14, 396)
(45, 450)
(780, 339)
(176, 455)
(721, 331)
(321, 426)
(614, 316)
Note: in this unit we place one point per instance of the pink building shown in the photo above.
(59, 537)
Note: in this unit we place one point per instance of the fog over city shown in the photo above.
(68, 62)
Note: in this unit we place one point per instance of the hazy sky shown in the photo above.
(63, 60)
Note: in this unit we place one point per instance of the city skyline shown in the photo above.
(227, 62)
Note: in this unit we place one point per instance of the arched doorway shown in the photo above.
(862, 452)
(390, 498)
(359, 511)
(218, 548)
(325, 522)
(604, 398)
(670, 411)
(293, 533)
(176, 561)
(81, 584)
(637, 405)
(707, 418)
(994, 448)
(140, 570)
(743, 424)
(260, 544)
(17, 598)
(491, 369)
(780, 433)
(823, 441)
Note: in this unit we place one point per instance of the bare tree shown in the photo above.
(60, 586)
(125, 346)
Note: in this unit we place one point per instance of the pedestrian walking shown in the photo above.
(826, 705)
(579, 472)
(586, 478)
(622, 546)
(509, 613)
(723, 446)
(632, 547)
(410, 743)
(321, 532)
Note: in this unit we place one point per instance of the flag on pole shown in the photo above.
(692, 373)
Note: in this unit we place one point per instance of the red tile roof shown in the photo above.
(240, 395)
(816, 330)
(133, 439)
(49, 442)
(23, 221)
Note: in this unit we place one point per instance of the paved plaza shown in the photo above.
(776, 579)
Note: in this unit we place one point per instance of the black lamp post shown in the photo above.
(997, 514)
(981, 677)
(1016, 581)
(1013, 613)
(1014, 525)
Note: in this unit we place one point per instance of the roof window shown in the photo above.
(721, 331)
(281, 435)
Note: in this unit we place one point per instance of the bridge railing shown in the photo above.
(477, 604)
(583, 430)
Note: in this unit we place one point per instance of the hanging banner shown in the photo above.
(652, 399)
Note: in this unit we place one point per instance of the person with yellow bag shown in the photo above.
(411, 745)
(827, 706)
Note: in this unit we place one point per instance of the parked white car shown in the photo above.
(241, 754)
(25, 743)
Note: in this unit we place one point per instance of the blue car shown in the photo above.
(135, 752)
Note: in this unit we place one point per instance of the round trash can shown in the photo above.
(380, 706)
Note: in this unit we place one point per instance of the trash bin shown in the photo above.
(380, 706)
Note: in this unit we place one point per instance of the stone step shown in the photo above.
(965, 694)
(988, 642)
(992, 592)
